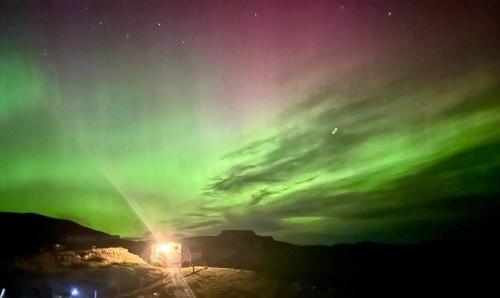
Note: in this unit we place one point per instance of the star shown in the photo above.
(389, 13)
(100, 22)
(255, 14)
(334, 131)
(158, 24)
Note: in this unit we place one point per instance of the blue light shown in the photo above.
(74, 292)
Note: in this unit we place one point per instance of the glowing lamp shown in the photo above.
(164, 248)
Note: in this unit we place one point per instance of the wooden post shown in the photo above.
(191, 260)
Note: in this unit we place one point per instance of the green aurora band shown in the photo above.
(129, 146)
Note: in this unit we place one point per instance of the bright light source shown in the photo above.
(164, 248)
(74, 292)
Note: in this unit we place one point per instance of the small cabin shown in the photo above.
(167, 254)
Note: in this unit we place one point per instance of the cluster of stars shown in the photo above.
(127, 36)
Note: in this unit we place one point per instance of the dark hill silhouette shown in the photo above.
(27, 233)
(352, 270)
(357, 270)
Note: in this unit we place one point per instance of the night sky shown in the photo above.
(316, 122)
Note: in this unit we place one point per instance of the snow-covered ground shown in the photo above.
(114, 272)
(226, 282)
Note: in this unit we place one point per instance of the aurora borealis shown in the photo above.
(311, 121)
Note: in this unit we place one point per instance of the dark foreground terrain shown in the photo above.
(59, 255)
